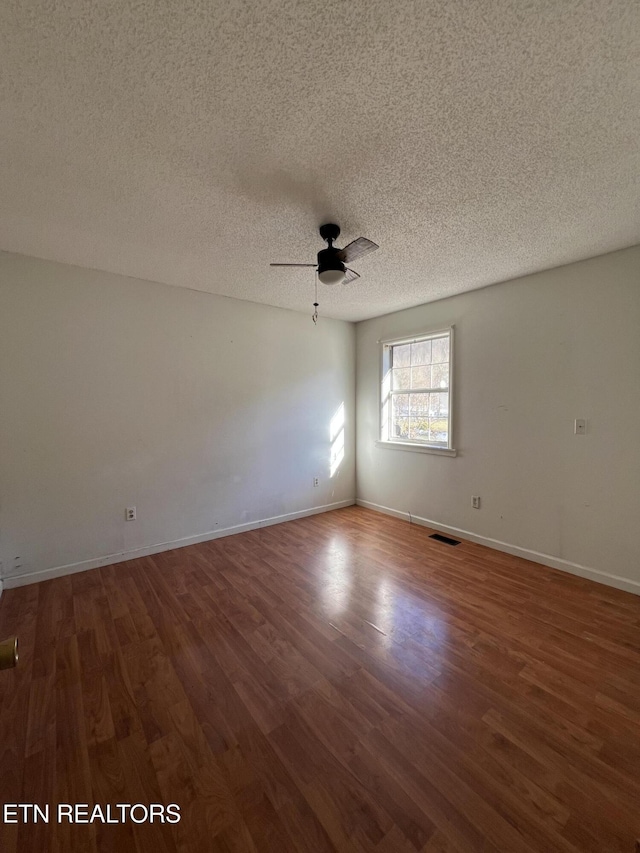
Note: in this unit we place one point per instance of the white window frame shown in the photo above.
(384, 439)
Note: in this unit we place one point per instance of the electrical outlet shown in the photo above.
(130, 513)
(316, 482)
(579, 426)
(475, 501)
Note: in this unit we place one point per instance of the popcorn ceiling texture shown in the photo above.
(194, 142)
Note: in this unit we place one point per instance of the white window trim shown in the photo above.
(390, 443)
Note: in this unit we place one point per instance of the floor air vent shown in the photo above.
(446, 539)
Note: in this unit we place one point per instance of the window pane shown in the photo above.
(419, 405)
(439, 428)
(419, 429)
(419, 425)
(400, 416)
(401, 428)
(421, 377)
(401, 404)
(440, 376)
(400, 378)
(438, 404)
(421, 353)
(440, 350)
(410, 417)
(401, 356)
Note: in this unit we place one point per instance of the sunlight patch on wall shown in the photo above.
(336, 437)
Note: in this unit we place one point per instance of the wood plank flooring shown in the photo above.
(340, 682)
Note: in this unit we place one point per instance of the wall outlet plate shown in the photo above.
(130, 513)
(475, 501)
(579, 426)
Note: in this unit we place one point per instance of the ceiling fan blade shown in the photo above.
(356, 249)
(293, 265)
(350, 275)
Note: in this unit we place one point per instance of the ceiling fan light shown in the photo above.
(331, 276)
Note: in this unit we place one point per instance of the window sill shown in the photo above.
(421, 448)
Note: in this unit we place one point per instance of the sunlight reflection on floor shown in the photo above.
(380, 614)
(338, 578)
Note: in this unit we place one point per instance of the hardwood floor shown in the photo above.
(340, 682)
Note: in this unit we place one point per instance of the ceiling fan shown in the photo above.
(332, 262)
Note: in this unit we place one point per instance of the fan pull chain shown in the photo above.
(314, 316)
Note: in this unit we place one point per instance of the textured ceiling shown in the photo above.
(192, 142)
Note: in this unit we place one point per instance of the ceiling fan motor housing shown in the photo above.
(328, 260)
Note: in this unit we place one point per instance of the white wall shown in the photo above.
(203, 412)
(531, 356)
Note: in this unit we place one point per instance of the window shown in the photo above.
(416, 391)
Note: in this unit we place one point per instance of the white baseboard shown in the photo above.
(535, 556)
(121, 557)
